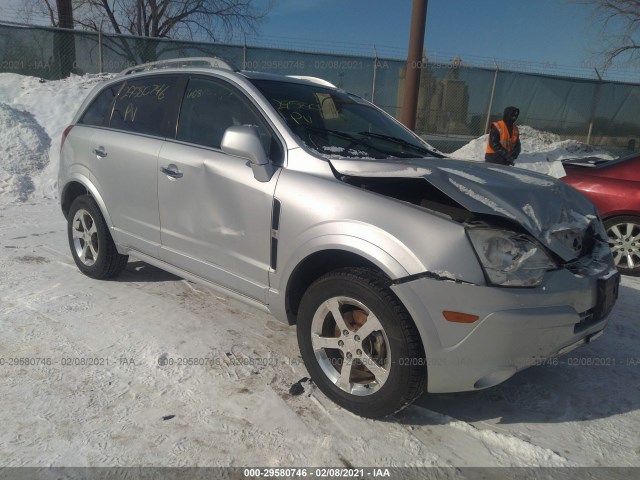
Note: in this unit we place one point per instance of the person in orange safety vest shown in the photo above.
(503, 145)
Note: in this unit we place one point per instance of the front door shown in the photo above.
(215, 216)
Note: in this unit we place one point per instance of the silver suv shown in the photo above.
(404, 271)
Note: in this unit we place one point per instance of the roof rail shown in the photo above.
(213, 62)
(317, 80)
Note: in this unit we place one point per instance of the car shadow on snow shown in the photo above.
(596, 381)
(138, 271)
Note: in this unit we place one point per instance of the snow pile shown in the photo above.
(24, 147)
(33, 114)
(541, 151)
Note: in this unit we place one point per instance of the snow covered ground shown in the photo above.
(149, 369)
(140, 330)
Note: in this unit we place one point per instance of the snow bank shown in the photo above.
(541, 151)
(24, 147)
(33, 114)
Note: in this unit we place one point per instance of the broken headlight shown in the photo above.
(510, 259)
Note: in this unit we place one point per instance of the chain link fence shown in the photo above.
(456, 103)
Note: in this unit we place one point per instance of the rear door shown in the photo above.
(125, 155)
(215, 216)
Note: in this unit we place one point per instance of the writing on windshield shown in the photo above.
(336, 124)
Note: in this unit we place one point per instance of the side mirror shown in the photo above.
(244, 141)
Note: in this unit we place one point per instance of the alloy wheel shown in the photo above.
(624, 240)
(351, 346)
(85, 237)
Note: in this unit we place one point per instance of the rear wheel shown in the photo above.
(624, 240)
(91, 244)
(359, 344)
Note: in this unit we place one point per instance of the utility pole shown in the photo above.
(64, 43)
(65, 14)
(414, 57)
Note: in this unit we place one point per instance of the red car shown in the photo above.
(614, 187)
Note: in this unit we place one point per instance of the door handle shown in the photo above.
(100, 152)
(171, 171)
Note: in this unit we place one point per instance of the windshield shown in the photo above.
(337, 125)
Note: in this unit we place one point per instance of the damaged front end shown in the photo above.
(521, 224)
(549, 278)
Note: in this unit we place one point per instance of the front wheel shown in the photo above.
(624, 240)
(359, 343)
(91, 244)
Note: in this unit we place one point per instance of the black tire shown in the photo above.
(106, 262)
(624, 240)
(407, 372)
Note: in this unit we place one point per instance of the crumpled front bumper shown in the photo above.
(517, 327)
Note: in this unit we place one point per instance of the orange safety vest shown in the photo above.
(507, 142)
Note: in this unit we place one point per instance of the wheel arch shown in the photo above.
(322, 261)
(621, 213)
(80, 185)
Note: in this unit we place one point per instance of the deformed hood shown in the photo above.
(551, 211)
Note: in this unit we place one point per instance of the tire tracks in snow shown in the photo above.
(234, 413)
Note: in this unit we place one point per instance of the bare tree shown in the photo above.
(34, 10)
(620, 20)
(190, 19)
(206, 20)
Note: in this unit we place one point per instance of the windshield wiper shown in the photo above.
(402, 142)
(347, 136)
(336, 133)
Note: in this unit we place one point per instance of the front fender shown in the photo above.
(352, 244)
(356, 245)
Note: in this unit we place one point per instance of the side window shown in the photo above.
(143, 104)
(209, 107)
(99, 111)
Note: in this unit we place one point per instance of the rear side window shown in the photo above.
(143, 105)
(210, 106)
(99, 111)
